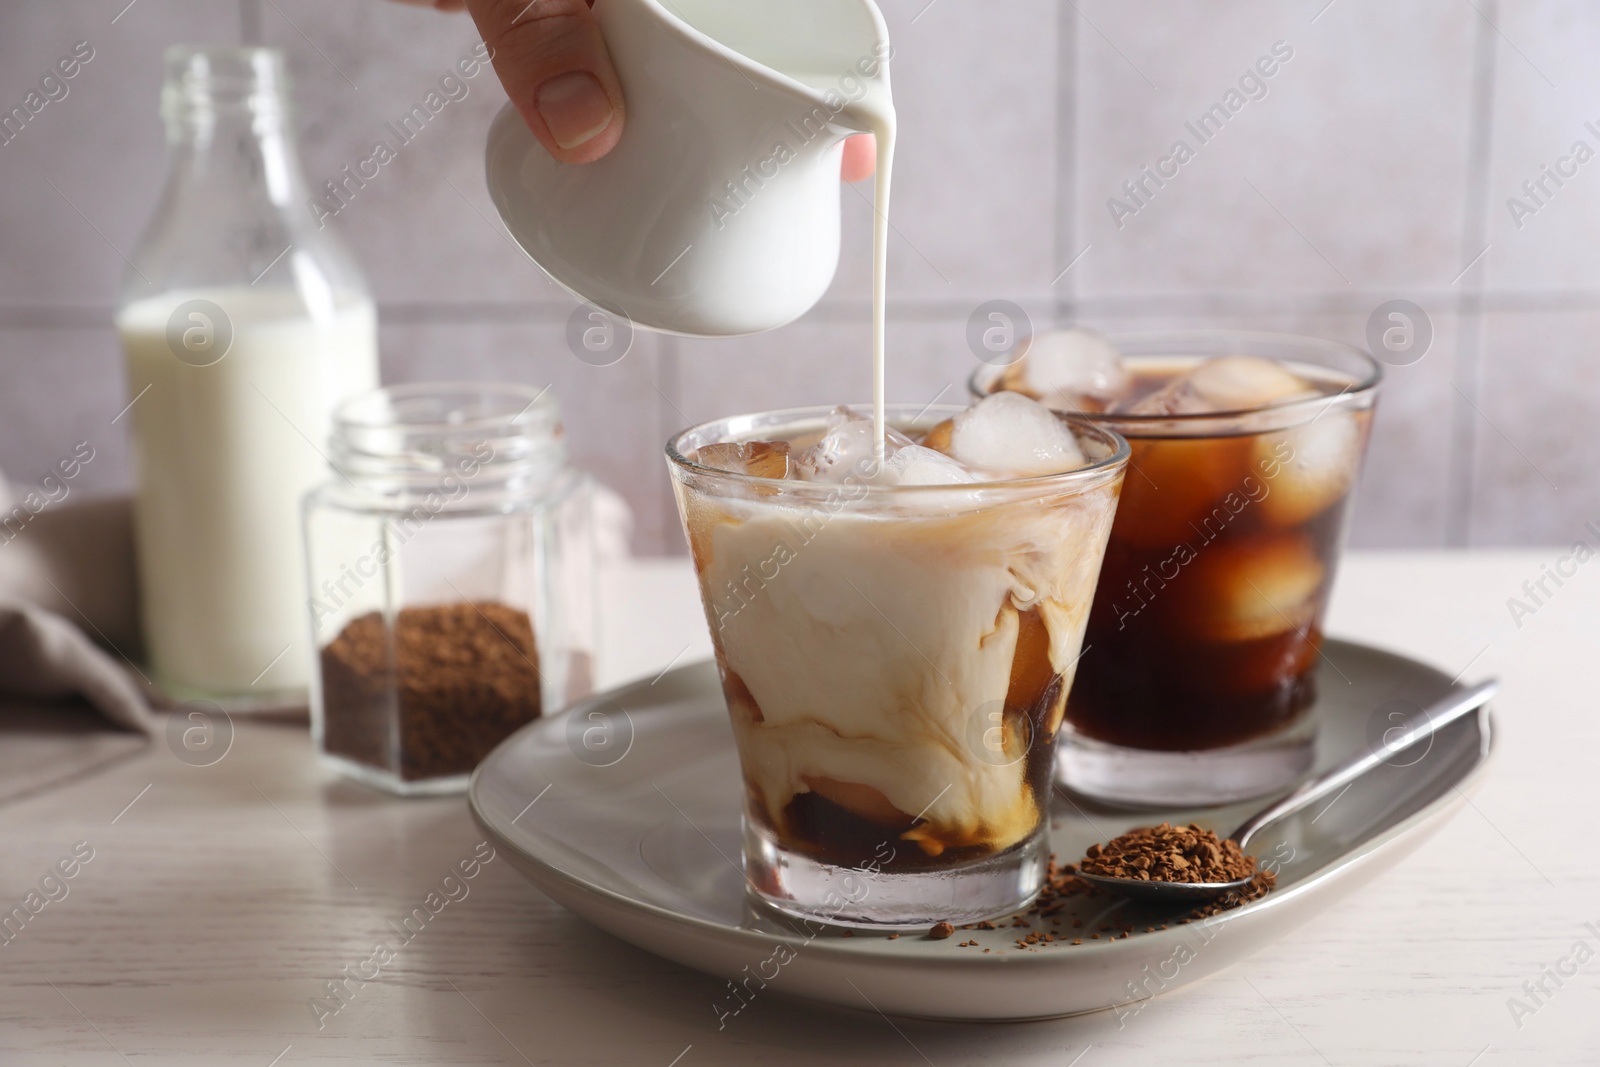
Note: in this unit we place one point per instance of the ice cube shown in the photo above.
(1310, 468)
(1179, 489)
(1242, 590)
(916, 465)
(938, 438)
(759, 459)
(1228, 383)
(1073, 369)
(847, 449)
(846, 443)
(1009, 434)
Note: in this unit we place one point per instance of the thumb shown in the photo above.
(553, 63)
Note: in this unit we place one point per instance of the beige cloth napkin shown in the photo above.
(58, 691)
(76, 560)
(69, 703)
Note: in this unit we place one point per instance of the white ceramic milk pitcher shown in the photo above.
(718, 211)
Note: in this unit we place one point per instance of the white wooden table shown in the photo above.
(221, 901)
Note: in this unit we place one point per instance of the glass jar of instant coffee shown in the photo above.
(450, 560)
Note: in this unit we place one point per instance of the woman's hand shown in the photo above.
(553, 62)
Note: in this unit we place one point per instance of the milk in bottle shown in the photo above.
(243, 326)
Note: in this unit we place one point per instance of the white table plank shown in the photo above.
(221, 903)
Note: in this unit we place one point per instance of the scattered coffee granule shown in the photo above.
(1168, 853)
(1061, 881)
(893, 936)
(1263, 883)
(431, 698)
(941, 931)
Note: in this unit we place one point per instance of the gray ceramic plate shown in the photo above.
(626, 810)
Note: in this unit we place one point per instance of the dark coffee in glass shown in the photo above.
(1203, 646)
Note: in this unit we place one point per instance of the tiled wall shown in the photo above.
(1374, 163)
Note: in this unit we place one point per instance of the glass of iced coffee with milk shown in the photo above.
(1206, 637)
(897, 620)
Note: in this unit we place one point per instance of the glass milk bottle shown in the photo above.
(243, 325)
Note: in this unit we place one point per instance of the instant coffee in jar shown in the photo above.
(450, 560)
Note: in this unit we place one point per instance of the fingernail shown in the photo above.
(575, 108)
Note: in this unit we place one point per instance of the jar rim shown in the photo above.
(535, 409)
(416, 429)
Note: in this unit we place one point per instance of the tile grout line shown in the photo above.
(1066, 192)
(1467, 375)
(250, 23)
(669, 383)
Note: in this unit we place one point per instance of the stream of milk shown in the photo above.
(875, 113)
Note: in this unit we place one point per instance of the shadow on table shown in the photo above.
(47, 744)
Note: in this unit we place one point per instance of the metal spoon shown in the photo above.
(1438, 715)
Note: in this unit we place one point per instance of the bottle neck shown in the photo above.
(228, 125)
(234, 212)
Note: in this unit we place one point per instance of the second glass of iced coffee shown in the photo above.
(896, 632)
(1206, 637)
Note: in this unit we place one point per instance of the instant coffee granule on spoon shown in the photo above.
(1168, 853)
(1154, 853)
